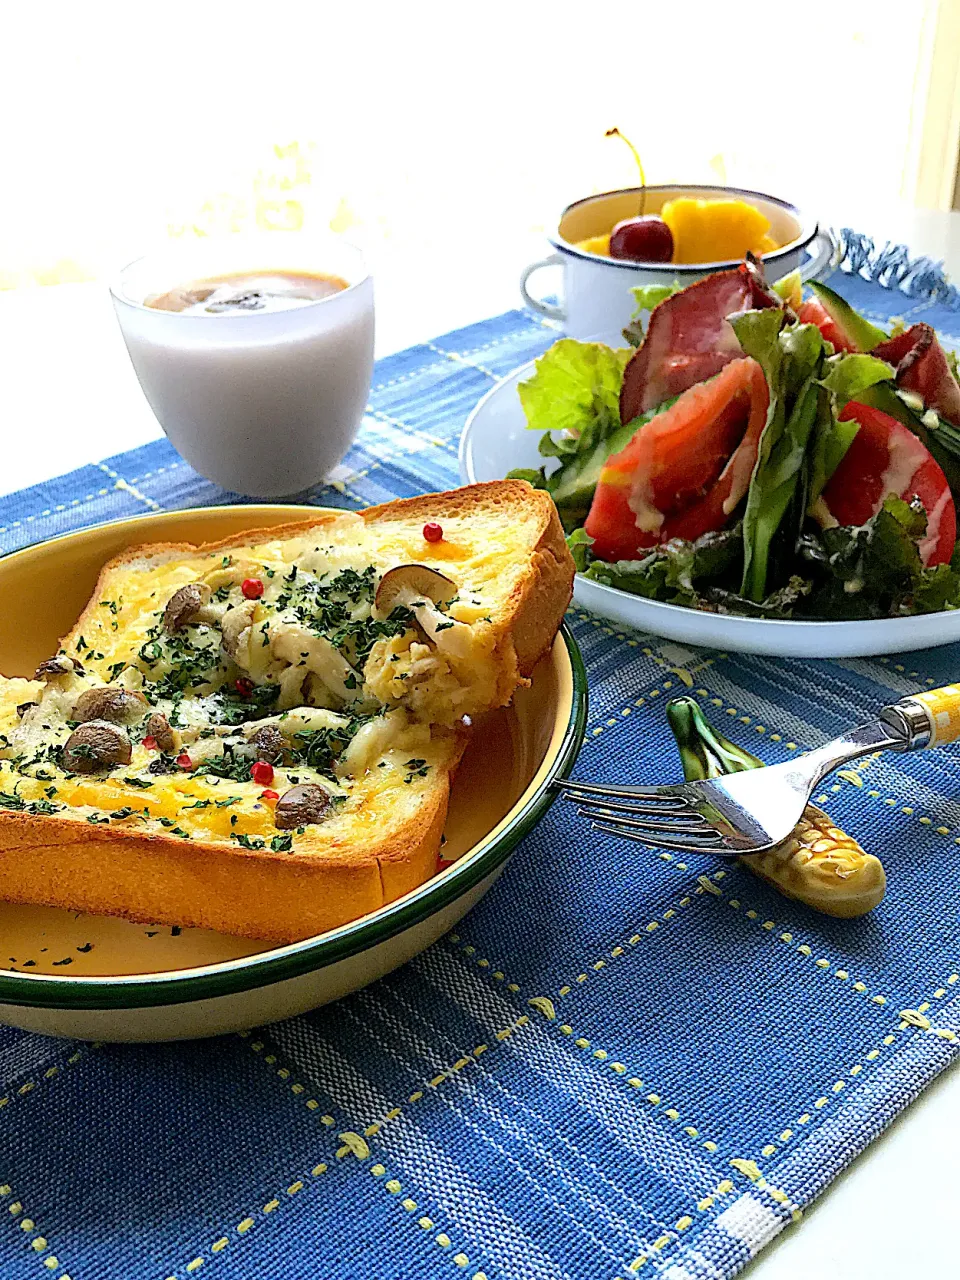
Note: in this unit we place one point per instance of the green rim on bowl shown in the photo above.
(246, 973)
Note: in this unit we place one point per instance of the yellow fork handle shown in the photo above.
(942, 709)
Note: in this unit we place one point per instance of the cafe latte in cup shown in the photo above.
(254, 352)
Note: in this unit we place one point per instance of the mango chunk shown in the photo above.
(595, 244)
(715, 230)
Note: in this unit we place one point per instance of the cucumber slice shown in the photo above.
(857, 330)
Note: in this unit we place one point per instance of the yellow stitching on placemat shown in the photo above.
(683, 1223)
(51, 1072)
(752, 1171)
(459, 359)
(682, 672)
(39, 1242)
(148, 475)
(914, 675)
(49, 511)
(908, 1018)
(353, 1144)
(546, 1008)
(650, 926)
(379, 416)
(802, 949)
(246, 1224)
(127, 487)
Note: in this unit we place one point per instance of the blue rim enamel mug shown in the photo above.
(595, 297)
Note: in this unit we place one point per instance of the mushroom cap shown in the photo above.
(269, 744)
(59, 665)
(302, 805)
(184, 605)
(95, 746)
(110, 702)
(158, 727)
(419, 579)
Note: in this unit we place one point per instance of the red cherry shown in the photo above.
(252, 588)
(433, 532)
(243, 686)
(261, 773)
(646, 239)
(269, 795)
(150, 742)
(184, 761)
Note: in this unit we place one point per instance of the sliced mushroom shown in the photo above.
(186, 606)
(269, 744)
(234, 623)
(110, 702)
(417, 587)
(24, 707)
(159, 728)
(301, 648)
(301, 806)
(408, 582)
(59, 665)
(94, 747)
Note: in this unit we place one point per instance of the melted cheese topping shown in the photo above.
(368, 703)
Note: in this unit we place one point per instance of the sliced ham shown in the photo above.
(922, 367)
(689, 339)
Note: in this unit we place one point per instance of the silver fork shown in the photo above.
(752, 811)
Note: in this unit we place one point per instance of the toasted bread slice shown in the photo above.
(257, 736)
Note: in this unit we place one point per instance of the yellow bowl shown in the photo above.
(107, 979)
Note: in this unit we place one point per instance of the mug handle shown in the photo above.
(823, 248)
(548, 309)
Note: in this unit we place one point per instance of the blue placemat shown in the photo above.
(708, 1057)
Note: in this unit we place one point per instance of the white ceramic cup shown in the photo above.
(596, 297)
(264, 403)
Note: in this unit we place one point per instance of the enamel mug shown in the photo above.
(595, 296)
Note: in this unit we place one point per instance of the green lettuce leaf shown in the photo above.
(648, 296)
(574, 399)
(677, 571)
(831, 440)
(580, 543)
(787, 286)
(576, 388)
(847, 375)
(790, 359)
(874, 570)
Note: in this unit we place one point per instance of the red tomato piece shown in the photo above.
(814, 312)
(886, 457)
(686, 470)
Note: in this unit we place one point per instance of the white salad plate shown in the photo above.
(495, 440)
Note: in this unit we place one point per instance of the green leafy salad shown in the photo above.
(753, 453)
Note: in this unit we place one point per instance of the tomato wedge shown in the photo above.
(686, 470)
(886, 457)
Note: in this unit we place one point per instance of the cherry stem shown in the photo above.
(615, 133)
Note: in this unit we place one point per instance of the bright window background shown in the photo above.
(444, 137)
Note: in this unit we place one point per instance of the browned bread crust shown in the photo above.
(157, 878)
